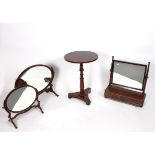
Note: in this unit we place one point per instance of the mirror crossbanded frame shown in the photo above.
(124, 93)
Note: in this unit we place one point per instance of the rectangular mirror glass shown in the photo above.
(128, 74)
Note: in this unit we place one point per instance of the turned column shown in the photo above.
(81, 80)
(81, 57)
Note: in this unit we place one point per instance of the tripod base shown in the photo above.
(84, 97)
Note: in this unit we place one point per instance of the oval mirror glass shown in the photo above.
(21, 98)
(35, 76)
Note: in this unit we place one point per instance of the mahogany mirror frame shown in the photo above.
(16, 113)
(124, 93)
(49, 88)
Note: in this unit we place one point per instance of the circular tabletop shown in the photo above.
(21, 99)
(81, 57)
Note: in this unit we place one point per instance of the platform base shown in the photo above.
(84, 97)
(124, 95)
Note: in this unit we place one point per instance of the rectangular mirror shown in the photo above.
(127, 82)
(128, 75)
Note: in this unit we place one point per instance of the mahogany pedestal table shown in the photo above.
(81, 57)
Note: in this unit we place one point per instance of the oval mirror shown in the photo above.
(21, 98)
(36, 76)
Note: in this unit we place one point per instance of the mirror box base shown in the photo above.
(125, 95)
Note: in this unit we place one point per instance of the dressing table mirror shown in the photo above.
(127, 82)
(21, 100)
(39, 76)
(33, 81)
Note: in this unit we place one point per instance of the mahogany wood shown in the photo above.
(121, 93)
(82, 96)
(49, 88)
(81, 57)
(16, 113)
(125, 95)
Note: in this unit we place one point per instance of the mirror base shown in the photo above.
(50, 89)
(125, 95)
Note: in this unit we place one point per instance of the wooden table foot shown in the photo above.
(82, 96)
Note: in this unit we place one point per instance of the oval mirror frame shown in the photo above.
(20, 82)
(24, 110)
(16, 113)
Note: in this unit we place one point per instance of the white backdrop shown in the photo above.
(44, 32)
